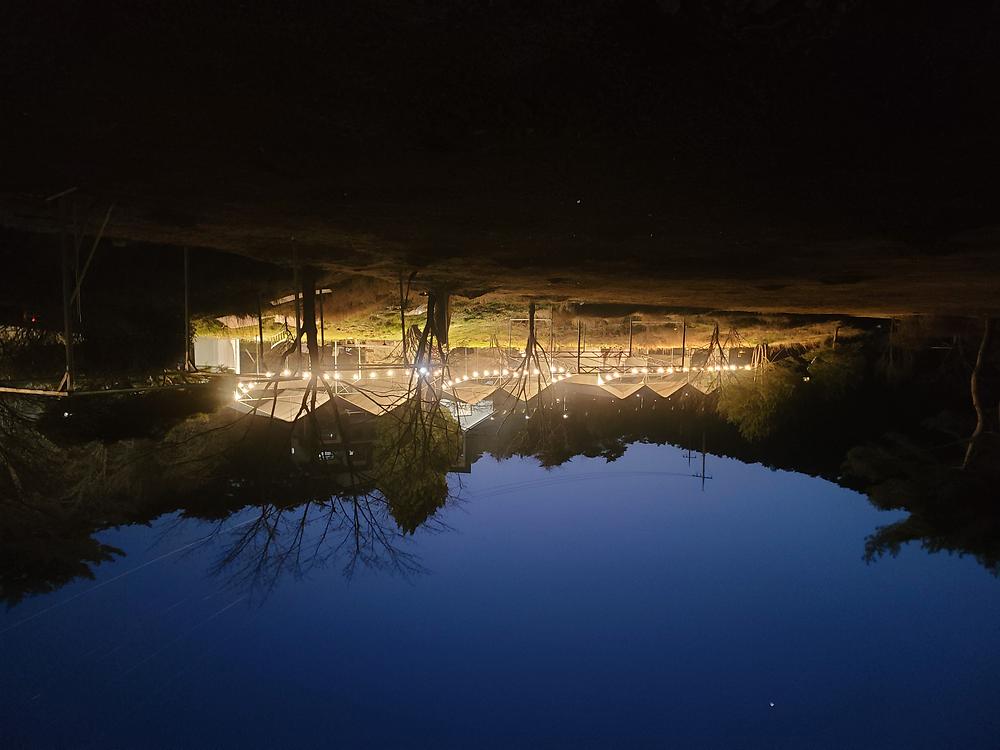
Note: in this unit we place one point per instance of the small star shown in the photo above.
(771, 704)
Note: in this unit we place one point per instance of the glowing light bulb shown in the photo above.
(356, 376)
(670, 371)
(565, 415)
(635, 370)
(336, 376)
(496, 372)
(285, 373)
(268, 374)
(534, 372)
(390, 373)
(659, 370)
(371, 375)
(562, 369)
(475, 373)
(306, 375)
(506, 371)
(423, 370)
(645, 370)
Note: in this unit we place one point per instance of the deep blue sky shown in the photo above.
(589, 605)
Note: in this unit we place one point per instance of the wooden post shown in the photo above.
(67, 286)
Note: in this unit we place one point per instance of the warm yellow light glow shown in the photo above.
(268, 374)
(390, 373)
(285, 373)
(475, 373)
(371, 375)
(336, 376)
(506, 372)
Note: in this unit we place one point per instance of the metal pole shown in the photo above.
(67, 286)
(684, 335)
(579, 342)
(630, 335)
(298, 310)
(260, 335)
(322, 325)
(402, 318)
(187, 318)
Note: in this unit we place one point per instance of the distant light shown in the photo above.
(565, 415)
(356, 376)
(236, 397)
(506, 371)
(635, 370)
(240, 384)
(552, 368)
(372, 375)
(659, 370)
(475, 373)
(496, 372)
(448, 384)
(423, 370)
(534, 372)
(306, 375)
(645, 370)
(326, 376)
(562, 369)
(285, 373)
(464, 378)
(390, 373)
(670, 371)
(268, 374)
(336, 376)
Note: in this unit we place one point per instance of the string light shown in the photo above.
(268, 374)
(285, 373)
